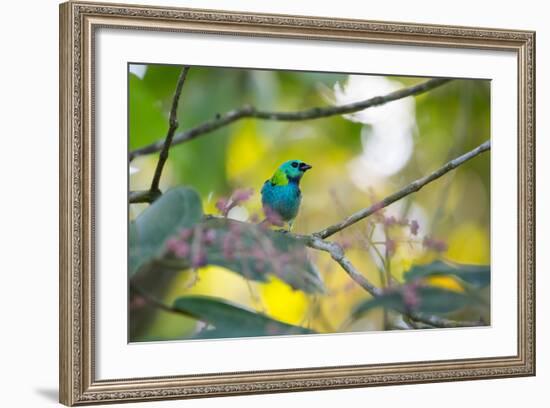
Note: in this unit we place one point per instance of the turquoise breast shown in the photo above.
(284, 200)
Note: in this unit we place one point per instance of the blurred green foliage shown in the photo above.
(454, 210)
(228, 320)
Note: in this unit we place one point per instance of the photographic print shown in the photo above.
(322, 186)
(268, 203)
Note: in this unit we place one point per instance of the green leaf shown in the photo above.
(432, 300)
(259, 252)
(475, 275)
(178, 208)
(231, 320)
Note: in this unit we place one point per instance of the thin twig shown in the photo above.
(370, 244)
(173, 126)
(387, 270)
(405, 191)
(308, 114)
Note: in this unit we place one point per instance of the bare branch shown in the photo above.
(437, 321)
(405, 191)
(337, 253)
(143, 196)
(308, 114)
(173, 125)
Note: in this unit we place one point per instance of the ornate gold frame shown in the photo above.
(78, 22)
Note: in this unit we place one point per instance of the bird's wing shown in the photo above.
(266, 185)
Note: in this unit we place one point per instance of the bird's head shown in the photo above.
(291, 170)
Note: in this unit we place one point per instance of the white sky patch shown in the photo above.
(387, 134)
(138, 70)
(360, 87)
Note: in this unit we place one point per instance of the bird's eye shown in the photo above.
(294, 164)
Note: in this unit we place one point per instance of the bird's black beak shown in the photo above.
(304, 166)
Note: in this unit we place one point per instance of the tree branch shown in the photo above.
(337, 253)
(308, 114)
(143, 196)
(154, 190)
(437, 321)
(405, 191)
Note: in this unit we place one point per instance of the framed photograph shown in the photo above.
(260, 203)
